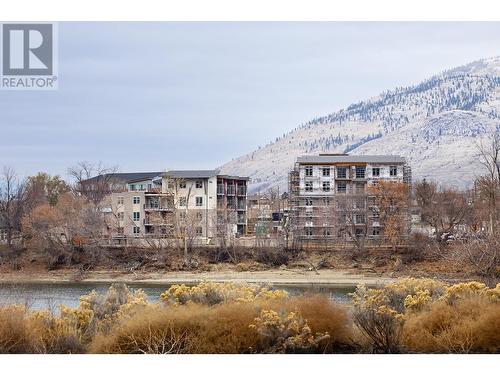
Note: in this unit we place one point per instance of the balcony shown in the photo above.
(242, 191)
(155, 207)
(231, 190)
(220, 189)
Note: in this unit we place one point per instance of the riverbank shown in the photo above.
(286, 277)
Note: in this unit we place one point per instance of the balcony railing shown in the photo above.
(156, 207)
(242, 190)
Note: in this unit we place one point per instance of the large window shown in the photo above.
(199, 184)
(137, 230)
(199, 231)
(326, 171)
(136, 200)
(309, 202)
(309, 171)
(309, 186)
(309, 232)
(182, 201)
(199, 201)
(393, 171)
(137, 216)
(326, 185)
(182, 184)
(360, 172)
(120, 201)
(359, 219)
(376, 172)
(341, 172)
(341, 187)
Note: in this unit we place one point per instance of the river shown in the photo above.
(51, 295)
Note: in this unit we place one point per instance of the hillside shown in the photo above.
(436, 125)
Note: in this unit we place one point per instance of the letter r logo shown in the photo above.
(27, 49)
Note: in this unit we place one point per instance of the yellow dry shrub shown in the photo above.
(470, 324)
(99, 312)
(282, 332)
(211, 293)
(23, 331)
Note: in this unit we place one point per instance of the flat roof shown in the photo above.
(202, 173)
(317, 159)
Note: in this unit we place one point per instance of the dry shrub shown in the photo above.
(22, 331)
(226, 328)
(323, 315)
(470, 325)
(212, 293)
(183, 329)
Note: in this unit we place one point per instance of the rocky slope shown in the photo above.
(436, 125)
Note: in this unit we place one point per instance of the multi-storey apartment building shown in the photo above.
(201, 204)
(329, 195)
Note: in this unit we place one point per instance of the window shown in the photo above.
(359, 203)
(326, 171)
(341, 172)
(309, 186)
(359, 219)
(120, 230)
(326, 185)
(342, 218)
(360, 187)
(326, 201)
(132, 187)
(199, 215)
(199, 201)
(309, 202)
(120, 200)
(376, 215)
(309, 232)
(309, 171)
(341, 187)
(136, 200)
(199, 184)
(359, 232)
(182, 184)
(142, 187)
(120, 215)
(150, 186)
(309, 214)
(360, 172)
(327, 232)
(199, 231)
(182, 201)
(376, 232)
(182, 215)
(137, 216)
(376, 172)
(137, 230)
(393, 171)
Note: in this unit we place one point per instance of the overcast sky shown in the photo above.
(150, 96)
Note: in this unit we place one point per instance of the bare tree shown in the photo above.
(489, 184)
(443, 209)
(12, 204)
(92, 181)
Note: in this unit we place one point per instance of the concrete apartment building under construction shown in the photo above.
(329, 195)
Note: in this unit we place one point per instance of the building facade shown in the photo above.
(199, 204)
(330, 196)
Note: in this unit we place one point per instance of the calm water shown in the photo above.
(50, 295)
